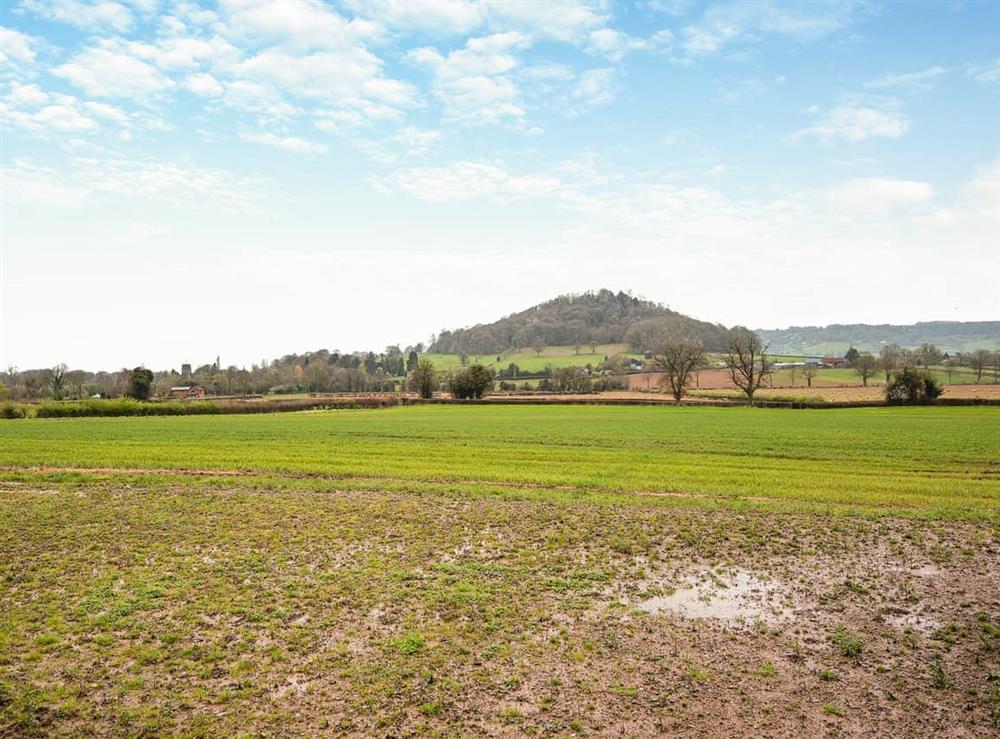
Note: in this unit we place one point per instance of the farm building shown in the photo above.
(834, 362)
(186, 392)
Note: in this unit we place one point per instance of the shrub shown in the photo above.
(122, 407)
(470, 383)
(912, 386)
(9, 410)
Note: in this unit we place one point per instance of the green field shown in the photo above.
(921, 460)
(528, 361)
(478, 570)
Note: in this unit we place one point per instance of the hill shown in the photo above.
(949, 336)
(601, 317)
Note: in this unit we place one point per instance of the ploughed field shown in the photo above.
(493, 570)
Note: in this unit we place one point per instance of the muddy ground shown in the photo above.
(233, 610)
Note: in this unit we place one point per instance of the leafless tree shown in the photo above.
(679, 359)
(979, 360)
(889, 358)
(809, 372)
(538, 346)
(865, 365)
(57, 381)
(747, 361)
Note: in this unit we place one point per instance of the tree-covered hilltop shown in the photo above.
(601, 317)
(948, 336)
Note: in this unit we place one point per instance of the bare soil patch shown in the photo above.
(172, 610)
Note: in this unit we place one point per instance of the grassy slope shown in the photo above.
(922, 460)
(556, 356)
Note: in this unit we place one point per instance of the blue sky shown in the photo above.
(182, 180)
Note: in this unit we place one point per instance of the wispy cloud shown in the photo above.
(288, 143)
(879, 194)
(988, 72)
(856, 121)
(916, 80)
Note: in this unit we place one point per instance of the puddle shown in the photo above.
(736, 596)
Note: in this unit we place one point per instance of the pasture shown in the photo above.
(500, 570)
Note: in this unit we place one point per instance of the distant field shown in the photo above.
(499, 570)
(906, 460)
(527, 361)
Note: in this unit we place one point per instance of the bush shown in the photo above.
(912, 386)
(12, 411)
(122, 407)
(471, 383)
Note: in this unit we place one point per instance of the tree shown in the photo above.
(747, 361)
(423, 378)
(470, 383)
(140, 381)
(411, 361)
(865, 364)
(809, 372)
(928, 354)
(57, 381)
(912, 386)
(538, 346)
(316, 377)
(851, 355)
(979, 360)
(679, 359)
(889, 357)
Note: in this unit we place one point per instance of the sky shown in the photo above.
(248, 179)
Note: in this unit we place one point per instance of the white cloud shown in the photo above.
(333, 76)
(569, 21)
(438, 17)
(24, 95)
(16, 47)
(726, 22)
(916, 80)
(203, 84)
(594, 87)
(300, 24)
(879, 194)
(474, 83)
(288, 143)
(27, 185)
(989, 72)
(90, 16)
(857, 121)
(255, 98)
(461, 181)
(30, 108)
(566, 20)
(614, 45)
(110, 70)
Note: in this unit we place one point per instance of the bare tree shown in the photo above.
(538, 346)
(979, 360)
(809, 372)
(889, 358)
(57, 381)
(747, 361)
(679, 359)
(865, 364)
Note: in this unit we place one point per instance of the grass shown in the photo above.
(528, 361)
(444, 570)
(911, 461)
